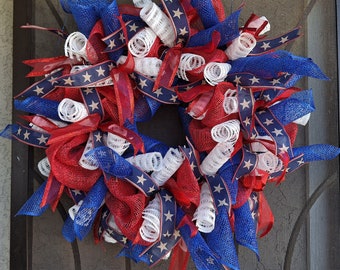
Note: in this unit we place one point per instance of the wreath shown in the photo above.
(235, 94)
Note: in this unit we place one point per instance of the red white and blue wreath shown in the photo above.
(234, 90)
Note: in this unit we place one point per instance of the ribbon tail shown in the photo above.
(32, 205)
(88, 210)
(179, 258)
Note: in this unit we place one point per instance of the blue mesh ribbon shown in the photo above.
(272, 64)
(228, 30)
(87, 212)
(40, 106)
(294, 107)
(32, 205)
(206, 11)
(245, 228)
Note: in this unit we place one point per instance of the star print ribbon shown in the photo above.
(271, 44)
(30, 136)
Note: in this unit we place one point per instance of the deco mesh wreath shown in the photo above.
(239, 108)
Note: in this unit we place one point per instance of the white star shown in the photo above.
(248, 164)
(284, 148)
(98, 137)
(265, 45)
(245, 104)
(183, 31)
(218, 188)
(222, 203)
(210, 260)
(100, 71)
(301, 161)
(173, 98)
(121, 37)
(247, 121)
(177, 234)
(124, 239)
(275, 81)
(167, 234)
(141, 179)
(237, 79)
(94, 105)
(53, 80)
(193, 166)
(77, 192)
(151, 189)
(133, 28)
(87, 77)
(162, 246)
(284, 39)
(277, 132)
(142, 83)
(68, 81)
(254, 80)
(158, 92)
(268, 122)
(42, 139)
(19, 131)
(168, 216)
(167, 198)
(111, 66)
(39, 90)
(266, 97)
(26, 135)
(112, 44)
(88, 91)
(177, 13)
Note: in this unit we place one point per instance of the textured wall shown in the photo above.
(5, 117)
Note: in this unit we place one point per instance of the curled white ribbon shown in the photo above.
(87, 163)
(116, 143)
(205, 213)
(219, 155)
(75, 46)
(141, 43)
(150, 229)
(189, 61)
(226, 131)
(241, 46)
(141, 3)
(230, 102)
(147, 162)
(156, 19)
(172, 160)
(148, 66)
(215, 73)
(71, 111)
(112, 224)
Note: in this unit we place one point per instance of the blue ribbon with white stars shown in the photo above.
(265, 46)
(179, 19)
(117, 40)
(162, 94)
(92, 101)
(246, 109)
(275, 130)
(30, 136)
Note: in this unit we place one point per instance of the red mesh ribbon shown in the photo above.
(126, 204)
(179, 258)
(95, 46)
(184, 186)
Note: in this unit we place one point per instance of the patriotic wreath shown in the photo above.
(234, 90)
